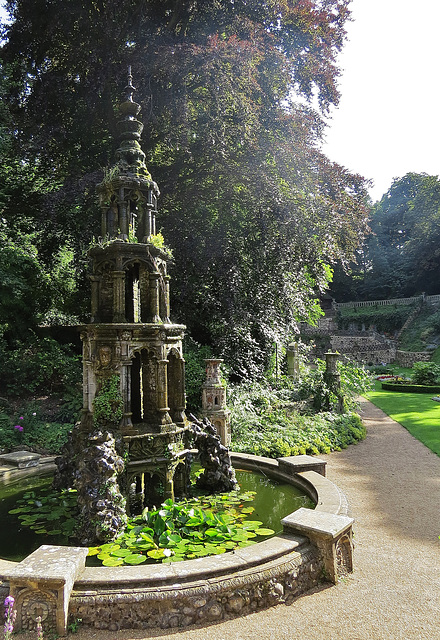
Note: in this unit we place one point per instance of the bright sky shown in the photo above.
(388, 119)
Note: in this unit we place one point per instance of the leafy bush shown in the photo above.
(290, 435)
(30, 430)
(407, 387)
(108, 405)
(267, 421)
(38, 365)
(354, 381)
(195, 371)
(425, 373)
(423, 330)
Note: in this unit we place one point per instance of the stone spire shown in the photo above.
(130, 157)
(128, 195)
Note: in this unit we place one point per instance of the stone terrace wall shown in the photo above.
(364, 349)
(407, 358)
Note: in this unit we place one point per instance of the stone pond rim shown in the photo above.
(315, 545)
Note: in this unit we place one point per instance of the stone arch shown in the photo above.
(132, 292)
(144, 385)
(103, 292)
(176, 385)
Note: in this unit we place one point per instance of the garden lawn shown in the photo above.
(417, 412)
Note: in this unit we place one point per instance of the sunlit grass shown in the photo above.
(417, 412)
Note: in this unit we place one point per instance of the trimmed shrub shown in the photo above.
(407, 387)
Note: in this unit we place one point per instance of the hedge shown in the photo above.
(410, 388)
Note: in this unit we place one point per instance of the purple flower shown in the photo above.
(10, 615)
(21, 418)
(18, 427)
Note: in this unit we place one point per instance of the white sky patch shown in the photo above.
(387, 123)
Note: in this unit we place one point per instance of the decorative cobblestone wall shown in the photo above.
(407, 358)
(208, 601)
(364, 349)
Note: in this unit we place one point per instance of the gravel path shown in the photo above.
(392, 482)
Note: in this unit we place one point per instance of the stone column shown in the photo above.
(127, 424)
(123, 218)
(162, 394)
(332, 377)
(118, 296)
(167, 298)
(104, 229)
(147, 228)
(95, 298)
(154, 297)
(293, 361)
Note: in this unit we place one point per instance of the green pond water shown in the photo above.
(273, 501)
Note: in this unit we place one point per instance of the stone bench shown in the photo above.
(20, 459)
(331, 533)
(298, 464)
(41, 585)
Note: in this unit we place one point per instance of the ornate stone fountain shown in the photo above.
(132, 353)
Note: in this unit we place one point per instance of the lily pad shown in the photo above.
(111, 561)
(135, 558)
(264, 532)
(121, 553)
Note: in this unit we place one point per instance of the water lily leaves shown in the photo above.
(264, 532)
(135, 558)
(109, 547)
(121, 553)
(156, 554)
(172, 559)
(175, 537)
(248, 509)
(251, 525)
(110, 561)
(195, 528)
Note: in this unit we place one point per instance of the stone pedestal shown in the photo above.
(332, 534)
(214, 401)
(293, 361)
(41, 585)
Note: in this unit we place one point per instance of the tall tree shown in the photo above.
(401, 255)
(254, 211)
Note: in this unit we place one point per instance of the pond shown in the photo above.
(272, 502)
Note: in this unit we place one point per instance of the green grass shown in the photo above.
(417, 412)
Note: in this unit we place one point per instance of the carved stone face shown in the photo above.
(105, 356)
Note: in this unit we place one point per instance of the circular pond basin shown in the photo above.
(273, 501)
(307, 545)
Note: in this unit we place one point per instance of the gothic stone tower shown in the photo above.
(130, 334)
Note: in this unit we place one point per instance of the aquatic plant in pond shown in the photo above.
(48, 512)
(194, 528)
